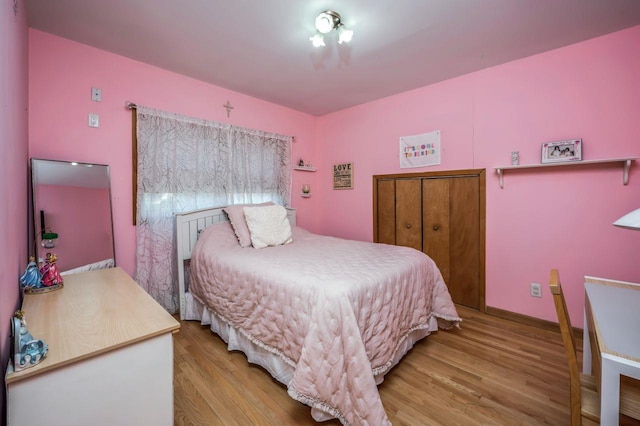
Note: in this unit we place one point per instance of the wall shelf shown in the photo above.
(305, 168)
(305, 195)
(625, 162)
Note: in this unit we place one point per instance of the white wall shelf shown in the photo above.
(305, 195)
(625, 162)
(305, 168)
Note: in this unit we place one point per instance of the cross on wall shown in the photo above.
(229, 107)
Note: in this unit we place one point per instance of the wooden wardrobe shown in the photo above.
(443, 215)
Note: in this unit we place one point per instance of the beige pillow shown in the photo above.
(268, 226)
(239, 224)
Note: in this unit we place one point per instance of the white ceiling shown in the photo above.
(261, 47)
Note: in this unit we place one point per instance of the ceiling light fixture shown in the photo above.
(327, 21)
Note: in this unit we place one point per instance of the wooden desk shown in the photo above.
(611, 341)
(110, 359)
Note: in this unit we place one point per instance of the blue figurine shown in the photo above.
(27, 351)
(32, 278)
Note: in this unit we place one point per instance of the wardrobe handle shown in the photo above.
(408, 226)
(436, 227)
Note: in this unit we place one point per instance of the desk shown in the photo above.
(611, 341)
(110, 359)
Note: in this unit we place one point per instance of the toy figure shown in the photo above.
(50, 274)
(31, 277)
(26, 350)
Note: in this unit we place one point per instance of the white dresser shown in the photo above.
(110, 359)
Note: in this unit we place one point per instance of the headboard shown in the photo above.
(189, 225)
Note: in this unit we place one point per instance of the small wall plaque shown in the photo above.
(343, 176)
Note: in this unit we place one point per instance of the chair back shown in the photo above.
(569, 341)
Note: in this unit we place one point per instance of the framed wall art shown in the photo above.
(562, 151)
(343, 176)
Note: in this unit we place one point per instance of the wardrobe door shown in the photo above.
(435, 223)
(464, 245)
(386, 211)
(409, 213)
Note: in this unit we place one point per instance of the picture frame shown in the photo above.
(562, 151)
(343, 176)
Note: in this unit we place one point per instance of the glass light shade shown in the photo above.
(48, 239)
(344, 35)
(317, 40)
(325, 22)
(630, 220)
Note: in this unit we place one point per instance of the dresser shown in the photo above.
(110, 358)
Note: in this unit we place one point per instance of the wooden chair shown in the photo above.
(584, 398)
(585, 404)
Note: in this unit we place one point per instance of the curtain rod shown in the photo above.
(130, 105)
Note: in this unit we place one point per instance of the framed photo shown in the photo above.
(343, 176)
(562, 151)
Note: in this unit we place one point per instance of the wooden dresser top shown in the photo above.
(94, 313)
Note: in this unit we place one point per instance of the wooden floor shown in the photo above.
(491, 371)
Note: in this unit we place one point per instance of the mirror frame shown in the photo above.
(33, 249)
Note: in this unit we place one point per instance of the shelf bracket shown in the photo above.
(625, 172)
(500, 177)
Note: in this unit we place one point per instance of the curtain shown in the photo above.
(186, 163)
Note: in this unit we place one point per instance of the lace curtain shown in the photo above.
(185, 164)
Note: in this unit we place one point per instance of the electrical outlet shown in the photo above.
(96, 94)
(94, 120)
(536, 290)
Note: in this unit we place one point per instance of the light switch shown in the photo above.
(94, 120)
(96, 94)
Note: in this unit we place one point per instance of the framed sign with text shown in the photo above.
(343, 176)
(420, 150)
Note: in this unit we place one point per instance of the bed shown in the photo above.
(327, 317)
(102, 264)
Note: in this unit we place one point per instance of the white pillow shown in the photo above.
(236, 217)
(268, 226)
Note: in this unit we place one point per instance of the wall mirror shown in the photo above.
(72, 214)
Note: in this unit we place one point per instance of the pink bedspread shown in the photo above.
(336, 310)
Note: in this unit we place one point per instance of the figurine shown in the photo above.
(26, 350)
(32, 276)
(50, 274)
(301, 163)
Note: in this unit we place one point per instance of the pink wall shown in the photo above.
(81, 217)
(61, 75)
(555, 218)
(552, 218)
(13, 165)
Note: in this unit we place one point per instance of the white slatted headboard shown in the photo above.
(188, 228)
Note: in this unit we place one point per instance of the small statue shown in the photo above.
(32, 278)
(301, 163)
(26, 351)
(50, 274)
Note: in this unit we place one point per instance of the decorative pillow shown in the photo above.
(238, 223)
(268, 226)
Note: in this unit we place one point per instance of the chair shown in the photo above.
(584, 401)
(584, 398)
